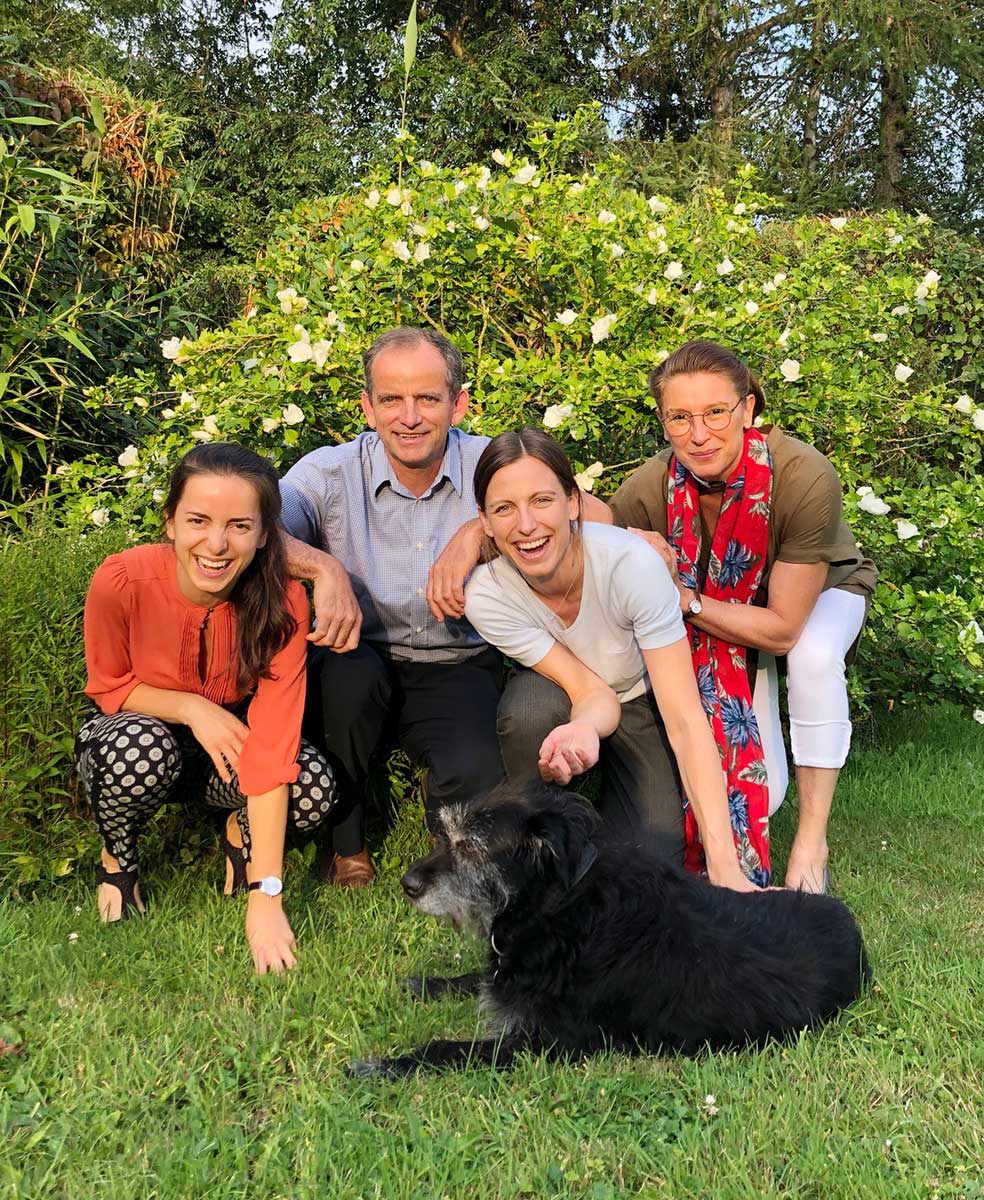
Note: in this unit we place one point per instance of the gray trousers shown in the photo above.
(640, 789)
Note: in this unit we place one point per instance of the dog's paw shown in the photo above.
(415, 986)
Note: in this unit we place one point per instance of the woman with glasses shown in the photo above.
(594, 615)
(749, 522)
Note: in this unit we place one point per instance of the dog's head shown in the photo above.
(490, 852)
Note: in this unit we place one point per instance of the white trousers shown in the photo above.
(819, 719)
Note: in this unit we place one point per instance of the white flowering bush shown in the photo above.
(563, 292)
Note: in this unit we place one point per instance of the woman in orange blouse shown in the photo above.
(196, 651)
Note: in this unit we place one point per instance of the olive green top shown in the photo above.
(805, 523)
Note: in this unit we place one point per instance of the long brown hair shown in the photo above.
(698, 357)
(264, 624)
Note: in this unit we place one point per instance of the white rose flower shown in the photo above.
(500, 157)
(292, 415)
(401, 250)
(725, 266)
(972, 632)
(250, 364)
(372, 199)
(210, 426)
(168, 414)
(662, 247)
(864, 491)
(269, 424)
(319, 352)
(906, 530)
(879, 337)
(557, 415)
(394, 197)
(739, 208)
(526, 174)
(129, 457)
(673, 270)
(158, 495)
(751, 307)
(902, 372)
(657, 206)
(576, 188)
(783, 337)
(406, 208)
(652, 296)
(460, 185)
(419, 230)
(170, 348)
(921, 292)
(99, 517)
(201, 435)
(779, 278)
(603, 327)
(977, 419)
(790, 370)
(979, 716)
(872, 504)
(616, 250)
(768, 287)
(482, 182)
(923, 219)
(964, 404)
(931, 278)
(421, 252)
(481, 223)
(567, 317)
(300, 351)
(900, 310)
(585, 480)
(838, 223)
(606, 218)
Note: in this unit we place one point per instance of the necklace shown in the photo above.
(575, 576)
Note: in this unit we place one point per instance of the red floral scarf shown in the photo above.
(737, 559)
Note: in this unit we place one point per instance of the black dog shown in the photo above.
(597, 945)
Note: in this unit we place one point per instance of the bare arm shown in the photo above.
(270, 937)
(217, 731)
(573, 748)
(671, 674)
(338, 618)
(793, 592)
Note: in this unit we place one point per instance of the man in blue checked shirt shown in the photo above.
(367, 522)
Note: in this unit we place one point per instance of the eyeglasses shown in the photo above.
(679, 424)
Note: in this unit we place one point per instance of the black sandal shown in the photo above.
(124, 882)
(236, 856)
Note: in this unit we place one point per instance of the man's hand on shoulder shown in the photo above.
(337, 616)
(446, 581)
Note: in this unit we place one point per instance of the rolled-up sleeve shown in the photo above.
(269, 756)
(107, 636)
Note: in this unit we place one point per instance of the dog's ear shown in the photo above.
(559, 838)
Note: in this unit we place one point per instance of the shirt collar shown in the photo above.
(382, 472)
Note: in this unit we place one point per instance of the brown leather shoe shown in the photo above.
(350, 870)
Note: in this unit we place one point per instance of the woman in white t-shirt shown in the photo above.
(595, 615)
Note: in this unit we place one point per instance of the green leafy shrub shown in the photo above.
(563, 292)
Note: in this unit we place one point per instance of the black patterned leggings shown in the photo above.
(130, 764)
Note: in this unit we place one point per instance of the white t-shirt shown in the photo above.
(629, 604)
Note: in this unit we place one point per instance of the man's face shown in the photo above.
(412, 410)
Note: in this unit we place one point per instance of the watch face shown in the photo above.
(270, 885)
(695, 606)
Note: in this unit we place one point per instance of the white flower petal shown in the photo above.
(673, 270)
(557, 415)
(725, 266)
(292, 415)
(838, 223)
(567, 317)
(902, 372)
(99, 517)
(905, 530)
(601, 328)
(874, 505)
(606, 218)
(790, 370)
(171, 348)
(129, 457)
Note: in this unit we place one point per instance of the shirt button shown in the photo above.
(420, 545)
(420, 629)
(420, 591)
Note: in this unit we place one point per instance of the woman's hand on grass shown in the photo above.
(220, 734)
(567, 751)
(271, 939)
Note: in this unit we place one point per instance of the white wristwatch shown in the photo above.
(269, 885)
(694, 607)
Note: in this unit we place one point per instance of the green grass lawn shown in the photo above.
(151, 1063)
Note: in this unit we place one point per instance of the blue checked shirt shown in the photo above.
(347, 501)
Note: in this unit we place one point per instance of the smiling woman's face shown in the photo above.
(216, 529)
(711, 454)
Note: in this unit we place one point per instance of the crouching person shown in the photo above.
(196, 649)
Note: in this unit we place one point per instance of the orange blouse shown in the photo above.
(139, 628)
